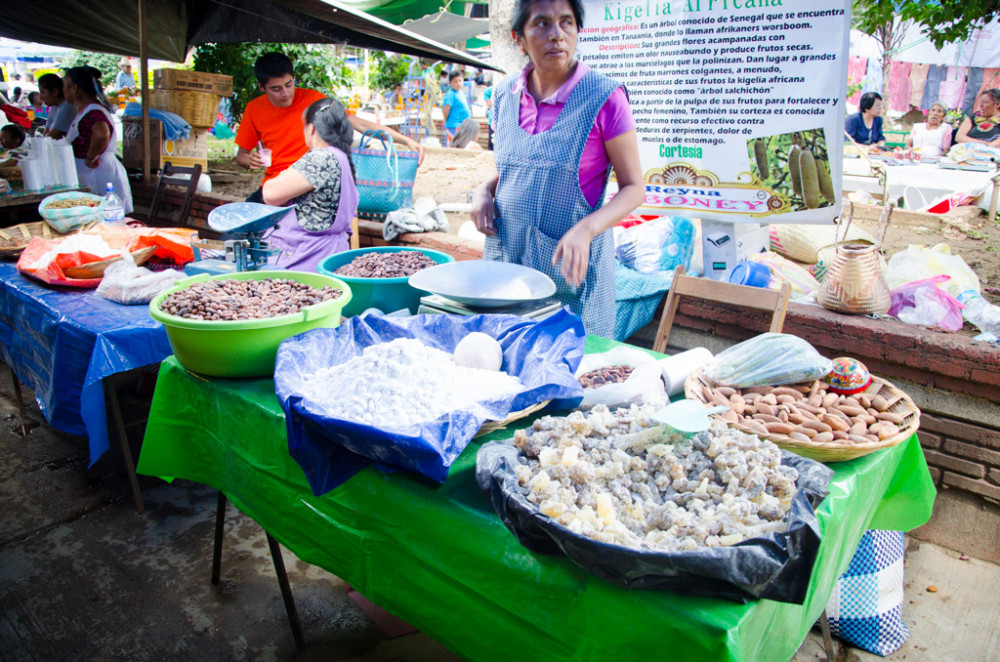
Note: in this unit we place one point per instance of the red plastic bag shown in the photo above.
(922, 302)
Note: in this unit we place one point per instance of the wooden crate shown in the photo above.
(193, 81)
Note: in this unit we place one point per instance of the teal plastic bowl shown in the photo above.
(245, 348)
(386, 294)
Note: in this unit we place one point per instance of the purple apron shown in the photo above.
(304, 250)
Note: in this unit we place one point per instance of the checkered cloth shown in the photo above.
(864, 609)
(636, 297)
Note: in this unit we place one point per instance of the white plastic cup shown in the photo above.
(265, 156)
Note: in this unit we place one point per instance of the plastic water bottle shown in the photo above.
(112, 209)
(981, 312)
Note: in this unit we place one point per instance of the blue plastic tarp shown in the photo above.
(63, 341)
(542, 354)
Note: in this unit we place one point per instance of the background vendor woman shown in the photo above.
(560, 128)
(321, 184)
(92, 134)
(983, 126)
(865, 126)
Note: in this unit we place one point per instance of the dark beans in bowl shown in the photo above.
(386, 265)
(230, 299)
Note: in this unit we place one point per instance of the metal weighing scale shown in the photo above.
(247, 222)
(476, 287)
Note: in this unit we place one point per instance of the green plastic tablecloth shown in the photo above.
(438, 556)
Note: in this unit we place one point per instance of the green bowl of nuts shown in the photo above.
(230, 325)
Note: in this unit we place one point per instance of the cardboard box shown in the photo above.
(179, 152)
(725, 244)
(193, 81)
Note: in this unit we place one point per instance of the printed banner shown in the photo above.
(739, 104)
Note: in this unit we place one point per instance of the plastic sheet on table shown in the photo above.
(776, 566)
(542, 354)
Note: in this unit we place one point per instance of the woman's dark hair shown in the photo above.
(272, 65)
(993, 94)
(16, 131)
(51, 82)
(330, 119)
(868, 100)
(522, 12)
(88, 79)
(16, 92)
(32, 96)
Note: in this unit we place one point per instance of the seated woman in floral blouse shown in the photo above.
(321, 186)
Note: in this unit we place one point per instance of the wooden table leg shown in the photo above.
(824, 626)
(116, 414)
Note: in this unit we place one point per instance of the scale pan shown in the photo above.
(244, 217)
(484, 283)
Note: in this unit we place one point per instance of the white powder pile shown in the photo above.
(402, 383)
(88, 243)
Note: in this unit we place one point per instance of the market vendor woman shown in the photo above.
(92, 134)
(865, 126)
(560, 128)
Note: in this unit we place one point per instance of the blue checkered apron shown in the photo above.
(539, 199)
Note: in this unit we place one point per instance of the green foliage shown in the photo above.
(106, 63)
(943, 22)
(314, 66)
(389, 70)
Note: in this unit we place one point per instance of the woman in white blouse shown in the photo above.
(933, 137)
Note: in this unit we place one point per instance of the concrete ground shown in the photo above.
(83, 577)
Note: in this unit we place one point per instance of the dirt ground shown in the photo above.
(449, 176)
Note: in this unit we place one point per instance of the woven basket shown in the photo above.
(198, 108)
(834, 451)
(96, 269)
(15, 238)
(493, 426)
(803, 243)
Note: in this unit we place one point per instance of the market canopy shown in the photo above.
(174, 26)
(448, 28)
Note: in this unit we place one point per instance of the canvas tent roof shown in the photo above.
(448, 28)
(173, 26)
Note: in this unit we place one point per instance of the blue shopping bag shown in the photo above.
(384, 177)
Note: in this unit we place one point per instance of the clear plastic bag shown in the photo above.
(643, 386)
(769, 359)
(923, 303)
(657, 245)
(131, 285)
(918, 263)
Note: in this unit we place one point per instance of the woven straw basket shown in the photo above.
(834, 451)
(14, 239)
(854, 282)
(198, 108)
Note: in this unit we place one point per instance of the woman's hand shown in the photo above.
(482, 206)
(93, 161)
(574, 251)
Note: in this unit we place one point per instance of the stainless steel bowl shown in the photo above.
(484, 284)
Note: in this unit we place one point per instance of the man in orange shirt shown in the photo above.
(274, 120)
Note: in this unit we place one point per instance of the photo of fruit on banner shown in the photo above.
(795, 167)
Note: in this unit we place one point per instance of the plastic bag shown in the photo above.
(126, 283)
(776, 566)
(643, 386)
(770, 359)
(542, 354)
(918, 263)
(657, 245)
(921, 302)
(784, 270)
